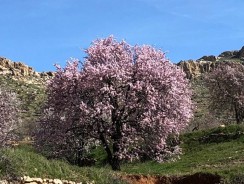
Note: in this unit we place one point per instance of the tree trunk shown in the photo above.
(106, 147)
(113, 159)
(79, 157)
(115, 163)
(238, 114)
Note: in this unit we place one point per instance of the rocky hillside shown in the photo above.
(22, 72)
(30, 88)
(29, 84)
(194, 68)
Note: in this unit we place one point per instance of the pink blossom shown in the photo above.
(129, 97)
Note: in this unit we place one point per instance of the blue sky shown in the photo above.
(41, 33)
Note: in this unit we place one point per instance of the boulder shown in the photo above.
(208, 58)
(240, 54)
(229, 54)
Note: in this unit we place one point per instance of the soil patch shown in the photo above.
(197, 178)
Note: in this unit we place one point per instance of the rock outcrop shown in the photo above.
(208, 58)
(240, 54)
(228, 54)
(29, 180)
(195, 68)
(192, 68)
(20, 71)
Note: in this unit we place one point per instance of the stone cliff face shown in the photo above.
(20, 71)
(195, 68)
(192, 68)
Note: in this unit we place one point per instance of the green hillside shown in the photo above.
(31, 96)
(218, 151)
(206, 147)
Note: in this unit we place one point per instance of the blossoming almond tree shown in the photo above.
(9, 116)
(226, 90)
(130, 98)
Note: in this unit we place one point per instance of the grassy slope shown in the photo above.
(223, 157)
(222, 153)
(32, 97)
(203, 151)
(205, 118)
(23, 160)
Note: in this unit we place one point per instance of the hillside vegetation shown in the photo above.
(217, 151)
(31, 96)
(206, 147)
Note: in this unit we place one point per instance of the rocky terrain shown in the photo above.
(192, 68)
(195, 68)
(29, 180)
(200, 178)
(22, 72)
(30, 84)
(29, 87)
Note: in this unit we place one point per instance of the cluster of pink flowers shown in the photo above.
(130, 98)
(225, 85)
(9, 116)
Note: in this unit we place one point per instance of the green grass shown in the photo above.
(223, 154)
(32, 97)
(215, 158)
(23, 160)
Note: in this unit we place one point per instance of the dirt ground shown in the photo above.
(198, 178)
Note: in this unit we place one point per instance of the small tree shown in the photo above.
(9, 116)
(225, 85)
(128, 98)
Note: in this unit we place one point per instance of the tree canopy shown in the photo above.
(225, 85)
(127, 98)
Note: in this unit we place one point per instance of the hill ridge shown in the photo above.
(205, 64)
(23, 72)
(192, 68)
